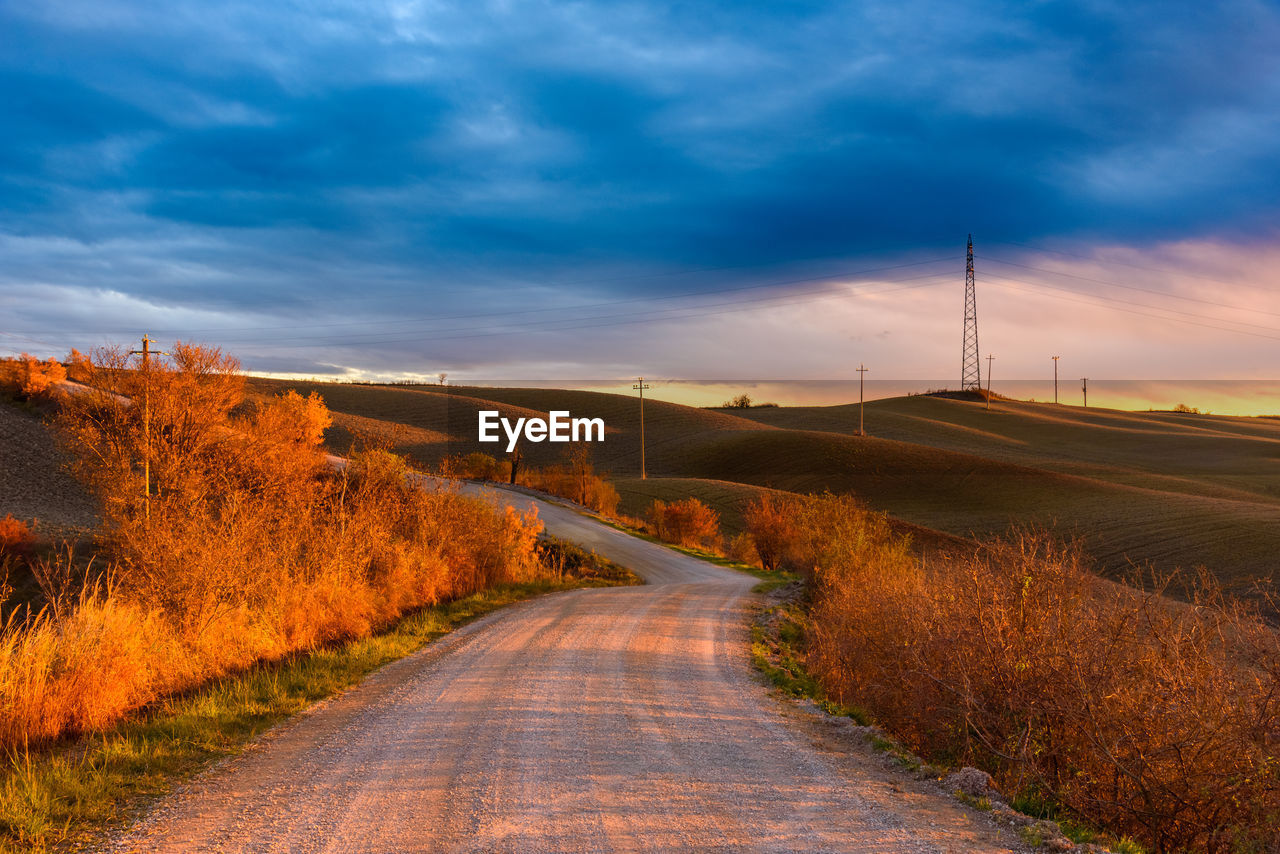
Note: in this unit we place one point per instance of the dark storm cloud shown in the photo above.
(257, 156)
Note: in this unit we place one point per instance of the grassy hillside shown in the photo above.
(1217, 456)
(965, 494)
(447, 418)
(1173, 490)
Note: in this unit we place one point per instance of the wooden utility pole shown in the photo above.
(640, 386)
(1055, 378)
(1084, 386)
(990, 359)
(146, 353)
(862, 373)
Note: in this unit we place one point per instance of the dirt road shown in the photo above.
(622, 719)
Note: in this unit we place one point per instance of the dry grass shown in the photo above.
(1137, 714)
(61, 799)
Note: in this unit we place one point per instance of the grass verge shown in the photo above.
(777, 640)
(69, 795)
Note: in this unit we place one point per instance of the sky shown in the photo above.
(604, 189)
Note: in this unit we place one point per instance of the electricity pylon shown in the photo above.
(970, 364)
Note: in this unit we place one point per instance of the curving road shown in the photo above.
(622, 719)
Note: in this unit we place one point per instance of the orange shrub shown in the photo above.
(78, 366)
(687, 522)
(28, 377)
(249, 548)
(576, 481)
(1144, 716)
(478, 466)
(16, 537)
(742, 548)
(771, 521)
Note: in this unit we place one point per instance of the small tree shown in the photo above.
(688, 523)
(582, 471)
(771, 521)
(77, 366)
(28, 377)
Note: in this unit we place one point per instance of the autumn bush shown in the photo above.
(742, 549)
(1138, 714)
(477, 466)
(27, 377)
(576, 479)
(773, 525)
(17, 540)
(687, 522)
(250, 546)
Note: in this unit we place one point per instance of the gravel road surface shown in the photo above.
(622, 719)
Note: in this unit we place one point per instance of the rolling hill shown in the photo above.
(1169, 490)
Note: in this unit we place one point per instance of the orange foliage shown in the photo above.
(477, 466)
(687, 522)
(577, 480)
(742, 548)
(28, 377)
(252, 548)
(16, 537)
(1143, 716)
(771, 522)
(78, 366)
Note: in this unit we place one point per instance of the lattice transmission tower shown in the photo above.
(970, 365)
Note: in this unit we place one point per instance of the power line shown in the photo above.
(641, 385)
(990, 358)
(862, 374)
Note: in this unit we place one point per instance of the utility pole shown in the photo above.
(970, 363)
(1055, 378)
(1084, 386)
(862, 374)
(640, 386)
(146, 353)
(990, 359)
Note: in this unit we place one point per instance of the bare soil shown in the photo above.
(34, 484)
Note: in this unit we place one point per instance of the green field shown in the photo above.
(1169, 490)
